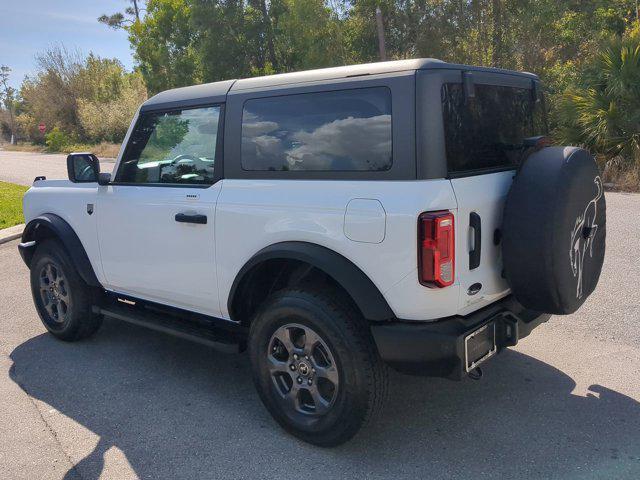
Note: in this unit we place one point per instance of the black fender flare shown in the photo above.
(50, 225)
(357, 284)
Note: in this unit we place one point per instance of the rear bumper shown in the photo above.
(437, 348)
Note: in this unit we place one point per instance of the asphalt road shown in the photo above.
(23, 167)
(130, 403)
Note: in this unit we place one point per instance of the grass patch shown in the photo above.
(11, 204)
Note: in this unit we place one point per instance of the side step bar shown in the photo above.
(220, 339)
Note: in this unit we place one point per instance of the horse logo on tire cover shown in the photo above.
(582, 236)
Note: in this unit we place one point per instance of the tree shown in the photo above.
(84, 96)
(163, 43)
(118, 20)
(309, 35)
(603, 110)
(7, 95)
(223, 32)
(266, 29)
(182, 42)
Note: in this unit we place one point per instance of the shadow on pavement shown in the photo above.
(178, 410)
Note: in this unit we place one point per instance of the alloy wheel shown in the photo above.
(54, 292)
(303, 370)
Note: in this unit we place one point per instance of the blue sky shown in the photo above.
(30, 26)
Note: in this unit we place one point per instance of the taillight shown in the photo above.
(436, 249)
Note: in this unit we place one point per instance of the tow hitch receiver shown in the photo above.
(479, 346)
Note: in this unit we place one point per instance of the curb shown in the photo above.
(11, 233)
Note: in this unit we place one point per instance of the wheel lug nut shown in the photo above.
(313, 370)
(309, 382)
(306, 357)
(299, 379)
(295, 356)
(292, 367)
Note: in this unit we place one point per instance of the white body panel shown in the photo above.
(147, 254)
(485, 195)
(69, 201)
(253, 214)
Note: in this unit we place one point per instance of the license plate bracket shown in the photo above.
(479, 346)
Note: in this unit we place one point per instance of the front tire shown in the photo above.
(315, 366)
(63, 300)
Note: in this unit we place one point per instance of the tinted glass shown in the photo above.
(172, 147)
(347, 130)
(487, 131)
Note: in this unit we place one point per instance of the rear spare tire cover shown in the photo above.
(554, 230)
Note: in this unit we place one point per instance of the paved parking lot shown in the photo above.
(23, 167)
(129, 403)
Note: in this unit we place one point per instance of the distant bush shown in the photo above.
(91, 98)
(102, 150)
(56, 140)
(108, 119)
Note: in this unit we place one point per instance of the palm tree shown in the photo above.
(603, 112)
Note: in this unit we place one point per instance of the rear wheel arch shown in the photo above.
(50, 225)
(289, 263)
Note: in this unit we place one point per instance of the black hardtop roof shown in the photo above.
(217, 91)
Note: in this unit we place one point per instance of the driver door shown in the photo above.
(156, 219)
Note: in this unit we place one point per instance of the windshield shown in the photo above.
(486, 131)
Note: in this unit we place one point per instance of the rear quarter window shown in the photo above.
(486, 131)
(344, 130)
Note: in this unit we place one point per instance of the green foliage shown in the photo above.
(582, 50)
(8, 104)
(56, 140)
(163, 45)
(303, 44)
(182, 42)
(106, 117)
(602, 110)
(90, 97)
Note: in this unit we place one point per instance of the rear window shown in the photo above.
(486, 131)
(345, 130)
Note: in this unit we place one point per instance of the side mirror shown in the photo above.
(104, 178)
(83, 167)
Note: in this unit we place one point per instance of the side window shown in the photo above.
(176, 147)
(345, 130)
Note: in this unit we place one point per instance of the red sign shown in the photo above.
(42, 127)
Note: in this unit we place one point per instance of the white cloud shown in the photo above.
(344, 139)
(346, 144)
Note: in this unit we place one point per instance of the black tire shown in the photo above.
(554, 230)
(63, 300)
(361, 384)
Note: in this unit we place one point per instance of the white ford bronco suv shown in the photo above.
(334, 223)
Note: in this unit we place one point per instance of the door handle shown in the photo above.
(191, 218)
(474, 254)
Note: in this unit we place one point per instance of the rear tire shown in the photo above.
(63, 300)
(339, 383)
